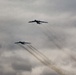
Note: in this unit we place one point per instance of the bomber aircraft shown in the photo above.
(21, 42)
(37, 21)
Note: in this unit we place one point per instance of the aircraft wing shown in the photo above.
(22, 43)
(27, 43)
(31, 21)
(43, 22)
(16, 42)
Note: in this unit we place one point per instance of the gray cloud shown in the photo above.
(47, 71)
(12, 65)
(63, 6)
(53, 5)
(7, 73)
(21, 65)
(14, 26)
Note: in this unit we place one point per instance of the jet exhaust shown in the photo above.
(50, 65)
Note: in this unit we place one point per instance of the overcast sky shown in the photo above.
(52, 38)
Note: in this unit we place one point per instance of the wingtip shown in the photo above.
(29, 22)
(15, 43)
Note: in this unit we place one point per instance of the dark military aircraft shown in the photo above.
(37, 21)
(21, 42)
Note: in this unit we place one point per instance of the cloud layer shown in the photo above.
(51, 39)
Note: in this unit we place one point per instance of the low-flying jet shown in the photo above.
(37, 21)
(21, 42)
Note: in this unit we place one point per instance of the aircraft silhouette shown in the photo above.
(21, 42)
(38, 21)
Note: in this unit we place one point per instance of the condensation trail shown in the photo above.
(56, 44)
(46, 59)
(54, 35)
(58, 70)
(70, 55)
(51, 38)
(40, 54)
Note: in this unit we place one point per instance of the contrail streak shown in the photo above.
(58, 70)
(40, 54)
(53, 41)
(56, 44)
(70, 55)
(51, 38)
